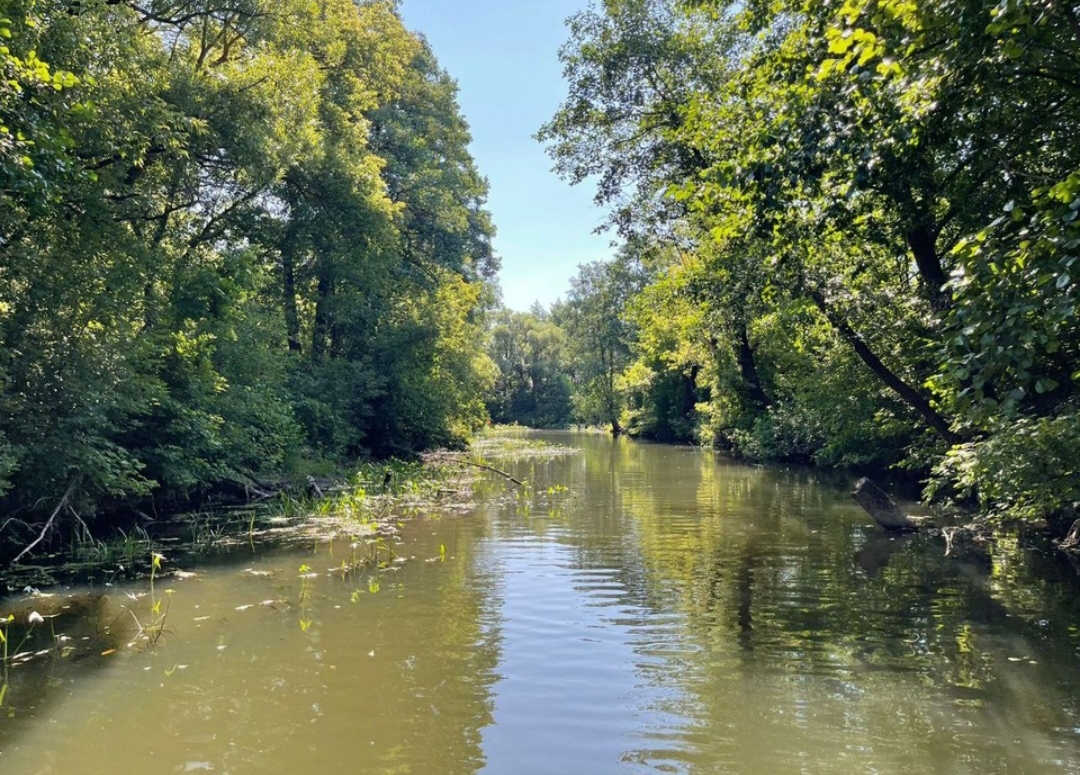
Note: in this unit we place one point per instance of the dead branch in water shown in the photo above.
(3, 527)
(64, 502)
(486, 467)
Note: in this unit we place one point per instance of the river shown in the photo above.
(637, 608)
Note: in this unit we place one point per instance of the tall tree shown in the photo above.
(211, 257)
(595, 320)
(532, 387)
(902, 178)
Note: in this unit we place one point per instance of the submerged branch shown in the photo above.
(486, 467)
(881, 507)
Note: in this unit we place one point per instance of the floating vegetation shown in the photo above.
(507, 443)
(357, 521)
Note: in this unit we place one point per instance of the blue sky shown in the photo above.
(503, 54)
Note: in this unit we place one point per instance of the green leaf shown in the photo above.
(1045, 385)
(1012, 49)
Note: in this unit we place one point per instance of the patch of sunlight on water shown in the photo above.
(670, 612)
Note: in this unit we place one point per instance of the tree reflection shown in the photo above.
(801, 611)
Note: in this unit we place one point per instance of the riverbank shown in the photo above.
(362, 508)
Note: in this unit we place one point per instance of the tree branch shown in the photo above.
(52, 518)
(905, 391)
(486, 467)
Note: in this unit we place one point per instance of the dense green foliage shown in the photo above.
(233, 235)
(598, 338)
(563, 366)
(532, 387)
(860, 228)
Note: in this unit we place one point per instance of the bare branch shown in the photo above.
(64, 502)
(486, 467)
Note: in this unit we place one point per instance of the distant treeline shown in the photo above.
(235, 235)
(851, 236)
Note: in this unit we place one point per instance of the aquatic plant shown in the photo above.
(149, 633)
(498, 443)
(208, 529)
(305, 575)
(4, 632)
(8, 655)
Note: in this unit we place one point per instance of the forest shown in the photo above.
(237, 237)
(243, 238)
(848, 233)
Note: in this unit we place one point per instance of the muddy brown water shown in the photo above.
(668, 612)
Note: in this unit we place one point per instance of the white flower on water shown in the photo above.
(36, 618)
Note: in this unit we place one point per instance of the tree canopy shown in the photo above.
(233, 235)
(862, 223)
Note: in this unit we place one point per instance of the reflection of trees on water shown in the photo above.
(804, 614)
(440, 694)
(410, 690)
(399, 681)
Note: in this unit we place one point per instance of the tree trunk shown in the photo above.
(755, 396)
(321, 330)
(689, 392)
(607, 359)
(288, 290)
(881, 507)
(906, 392)
(923, 244)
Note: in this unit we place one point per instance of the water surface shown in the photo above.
(668, 612)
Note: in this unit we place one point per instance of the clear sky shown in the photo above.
(503, 54)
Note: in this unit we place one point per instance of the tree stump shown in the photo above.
(881, 507)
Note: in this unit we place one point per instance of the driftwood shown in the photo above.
(970, 541)
(881, 507)
(486, 467)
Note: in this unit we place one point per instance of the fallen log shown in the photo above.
(881, 507)
(970, 541)
(65, 502)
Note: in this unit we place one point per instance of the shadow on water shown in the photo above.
(73, 639)
(278, 664)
